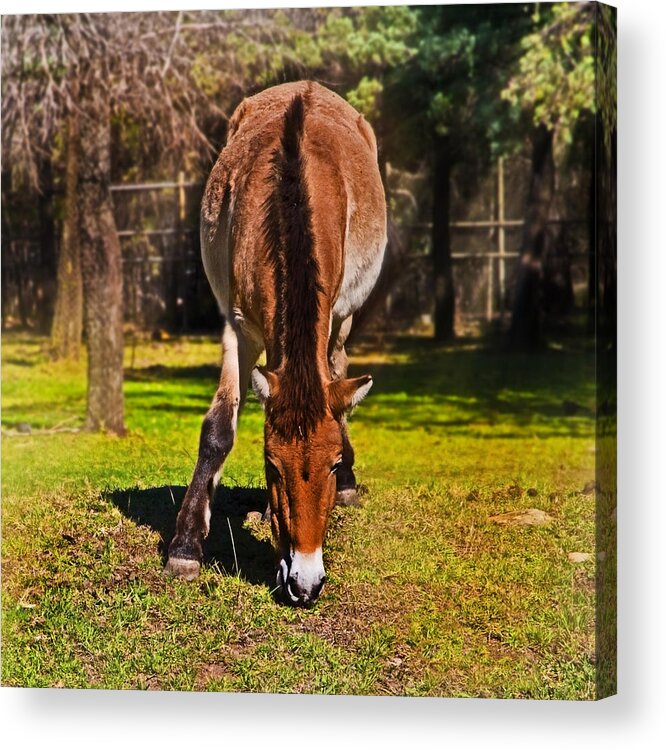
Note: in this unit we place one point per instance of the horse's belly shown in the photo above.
(216, 258)
(363, 262)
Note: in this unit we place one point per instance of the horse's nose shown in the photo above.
(306, 577)
(307, 594)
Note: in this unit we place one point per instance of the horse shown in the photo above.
(293, 234)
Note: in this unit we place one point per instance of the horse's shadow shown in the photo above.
(230, 547)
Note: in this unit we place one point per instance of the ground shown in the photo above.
(427, 592)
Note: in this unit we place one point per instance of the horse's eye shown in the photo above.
(336, 466)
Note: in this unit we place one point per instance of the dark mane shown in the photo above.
(287, 228)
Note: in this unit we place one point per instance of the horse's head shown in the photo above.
(301, 463)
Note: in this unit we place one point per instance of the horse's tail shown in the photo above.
(292, 207)
(288, 229)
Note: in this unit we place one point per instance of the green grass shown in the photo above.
(425, 594)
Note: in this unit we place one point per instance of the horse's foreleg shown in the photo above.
(346, 488)
(217, 438)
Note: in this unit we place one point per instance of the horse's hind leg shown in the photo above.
(346, 487)
(217, 438)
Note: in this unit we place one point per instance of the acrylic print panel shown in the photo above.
(414, 216)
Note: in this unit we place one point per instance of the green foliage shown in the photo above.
(347, 47)
(358, 46)
(426, 596)
(451, 84)
(369, 39)
(467, 72)
(365, 97)
(607, 73)
(556, 73)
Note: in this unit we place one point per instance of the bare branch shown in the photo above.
(167, 62)
(173, 74)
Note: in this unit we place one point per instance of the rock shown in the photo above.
(254, 516)
(24, 427)
(579, 557)
(529, 517)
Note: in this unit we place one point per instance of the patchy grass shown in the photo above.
(426, 596)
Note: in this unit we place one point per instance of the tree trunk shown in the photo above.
(68, 317)
(525, 332)
(558, 292)
(45, 278)
(592, 283)
(101, 271)
(607, 244)
(441, 240)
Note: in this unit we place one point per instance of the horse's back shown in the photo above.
(343, 185)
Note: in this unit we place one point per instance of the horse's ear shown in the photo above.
(264, 383)
(345, 394)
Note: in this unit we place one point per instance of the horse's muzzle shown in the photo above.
(301, 578)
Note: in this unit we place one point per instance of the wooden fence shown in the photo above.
(487, 270)
(499, 261)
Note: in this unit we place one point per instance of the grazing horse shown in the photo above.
(293, 233)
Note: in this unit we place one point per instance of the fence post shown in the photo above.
(501, 236)
(183, 251)
(181, 196)
(490, 288)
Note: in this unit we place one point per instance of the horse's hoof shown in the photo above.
(348, 498)
(180, 567)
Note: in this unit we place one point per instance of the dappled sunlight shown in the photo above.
(546, 394)
(425, 594)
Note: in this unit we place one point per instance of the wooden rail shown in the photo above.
(498, 225)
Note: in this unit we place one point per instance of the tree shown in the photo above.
(526, 320)
(68, 316)
(153, 69)
(443, 103)
(553, 87)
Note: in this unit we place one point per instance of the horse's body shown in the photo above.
(293, 231)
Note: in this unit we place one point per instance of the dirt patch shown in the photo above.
(212, 672)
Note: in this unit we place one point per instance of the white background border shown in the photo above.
(634, 718)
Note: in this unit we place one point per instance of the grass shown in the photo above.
(425, 595)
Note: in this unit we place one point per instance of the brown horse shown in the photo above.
(293, 232)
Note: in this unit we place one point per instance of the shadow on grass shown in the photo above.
(166, 372)
(158, 507)
(20, 361)
(449, 388)
(452, 388)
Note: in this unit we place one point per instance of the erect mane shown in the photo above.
(299, 403)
